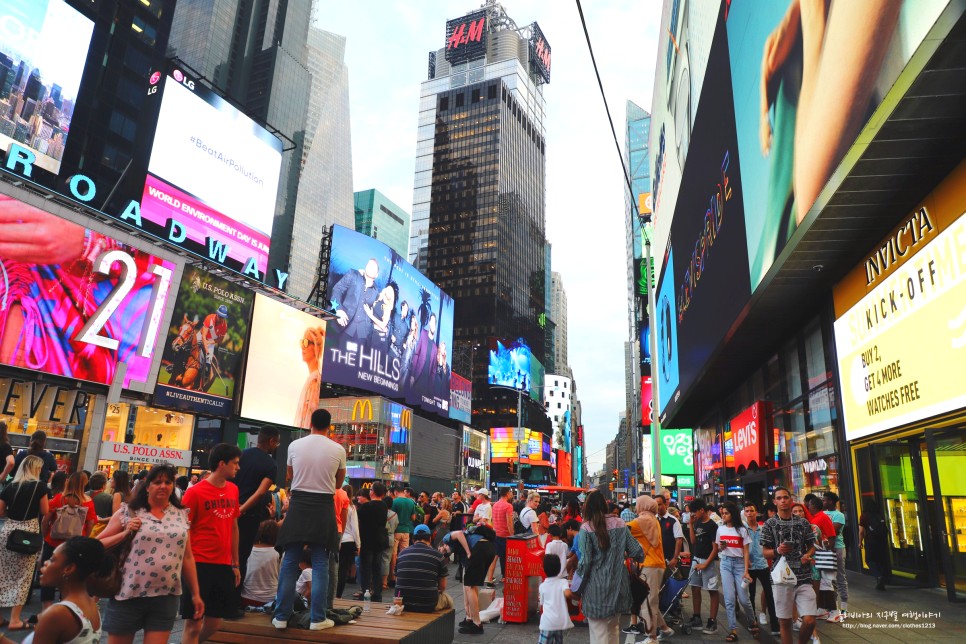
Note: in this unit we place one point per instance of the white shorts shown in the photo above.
(801, 596)
(707, 578)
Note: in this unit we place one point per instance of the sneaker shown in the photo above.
(776, 633)
(631, 629)
(279, 624)
(650, 640)
(465, 622)
(711, 627)
(471, 629)
(797, 624)
(665, 633)
(695, 622)
(321, 626)
(489, 584)
(816, 640)
(823, 615)
(835, 617)
(762, 619)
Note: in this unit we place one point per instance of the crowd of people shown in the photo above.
(236, 538)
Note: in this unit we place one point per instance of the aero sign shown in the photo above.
(677, 451)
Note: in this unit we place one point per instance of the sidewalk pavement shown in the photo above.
(896, 615)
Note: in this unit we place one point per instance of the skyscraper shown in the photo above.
(636, 164)
(325, 182)
(558, 313)
(479, 198)
(257, 54)
(381, 219)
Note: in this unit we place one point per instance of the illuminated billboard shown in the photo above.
(513, 365)
(743, 147)
(539, 53)
(394, 332)
(204, 345)
(466, 38)
(283, 374)
(460, 399)
(212, 177)
(532, 448)
(43, 49)
(792, 139)
(900, 327)
(75, 302)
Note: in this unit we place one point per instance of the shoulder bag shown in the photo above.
(108, 581)
(25, 542)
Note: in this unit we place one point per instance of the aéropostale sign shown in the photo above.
(677, 451)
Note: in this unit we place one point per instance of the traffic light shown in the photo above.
(615, 473)
(611, 487)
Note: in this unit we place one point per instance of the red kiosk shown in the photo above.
(524, 559)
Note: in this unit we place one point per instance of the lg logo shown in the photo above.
(181, 78)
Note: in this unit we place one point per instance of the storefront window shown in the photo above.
(137, 437)
(708, 452)
(376, 434)
(793, 373)
(815, 477)
(64, 414)
(208, 433)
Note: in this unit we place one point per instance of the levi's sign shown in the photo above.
(746, 431)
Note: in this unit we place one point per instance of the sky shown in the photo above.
(387, 44)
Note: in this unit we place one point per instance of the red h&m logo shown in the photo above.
(463, 36)
(543, 53)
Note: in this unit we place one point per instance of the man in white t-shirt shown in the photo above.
(316, 467)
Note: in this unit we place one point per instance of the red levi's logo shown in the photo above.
(731, 541)
(747, 428)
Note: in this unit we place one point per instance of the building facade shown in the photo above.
(478, 218)
(380, 218)
(779, 313)
(558, 313)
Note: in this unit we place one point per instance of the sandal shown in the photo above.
(24, 626)
(732, 636)
(755, 631)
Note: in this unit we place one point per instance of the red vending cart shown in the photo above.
(524, 560)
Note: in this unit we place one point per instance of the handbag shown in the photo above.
(69, 522)
(640, 589)
(825, 560)
(107, 582)
(25, 542)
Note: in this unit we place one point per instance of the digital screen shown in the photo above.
(513, 365)
(738, 165)
(43, 49)
(533, 447)
(460, 399)
(94, 304)
(394, 332)
(283, 375)
(204, 345)
(212, 177)
(784, 165)
(466, 38)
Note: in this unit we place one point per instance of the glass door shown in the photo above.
(895, 467)
(946, 486)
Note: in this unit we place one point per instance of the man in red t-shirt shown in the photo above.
(213, 511)
(503, 525)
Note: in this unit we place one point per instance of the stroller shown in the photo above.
(674, 586)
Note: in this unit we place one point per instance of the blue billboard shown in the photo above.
(513, 365)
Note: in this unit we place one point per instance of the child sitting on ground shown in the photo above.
(304, 584)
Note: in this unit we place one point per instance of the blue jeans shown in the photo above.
(289, 573)
(732, 571)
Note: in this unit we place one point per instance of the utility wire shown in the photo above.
(613, 130)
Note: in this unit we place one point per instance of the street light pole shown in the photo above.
(652, 325)
(519, 440)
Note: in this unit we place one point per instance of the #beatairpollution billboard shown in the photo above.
(212, 176)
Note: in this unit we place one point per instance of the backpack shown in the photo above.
(69, 522)
(420, 515)
(518, 525)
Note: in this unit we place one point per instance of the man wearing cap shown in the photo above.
(420, 573)
(213, 332)
(484, 511)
